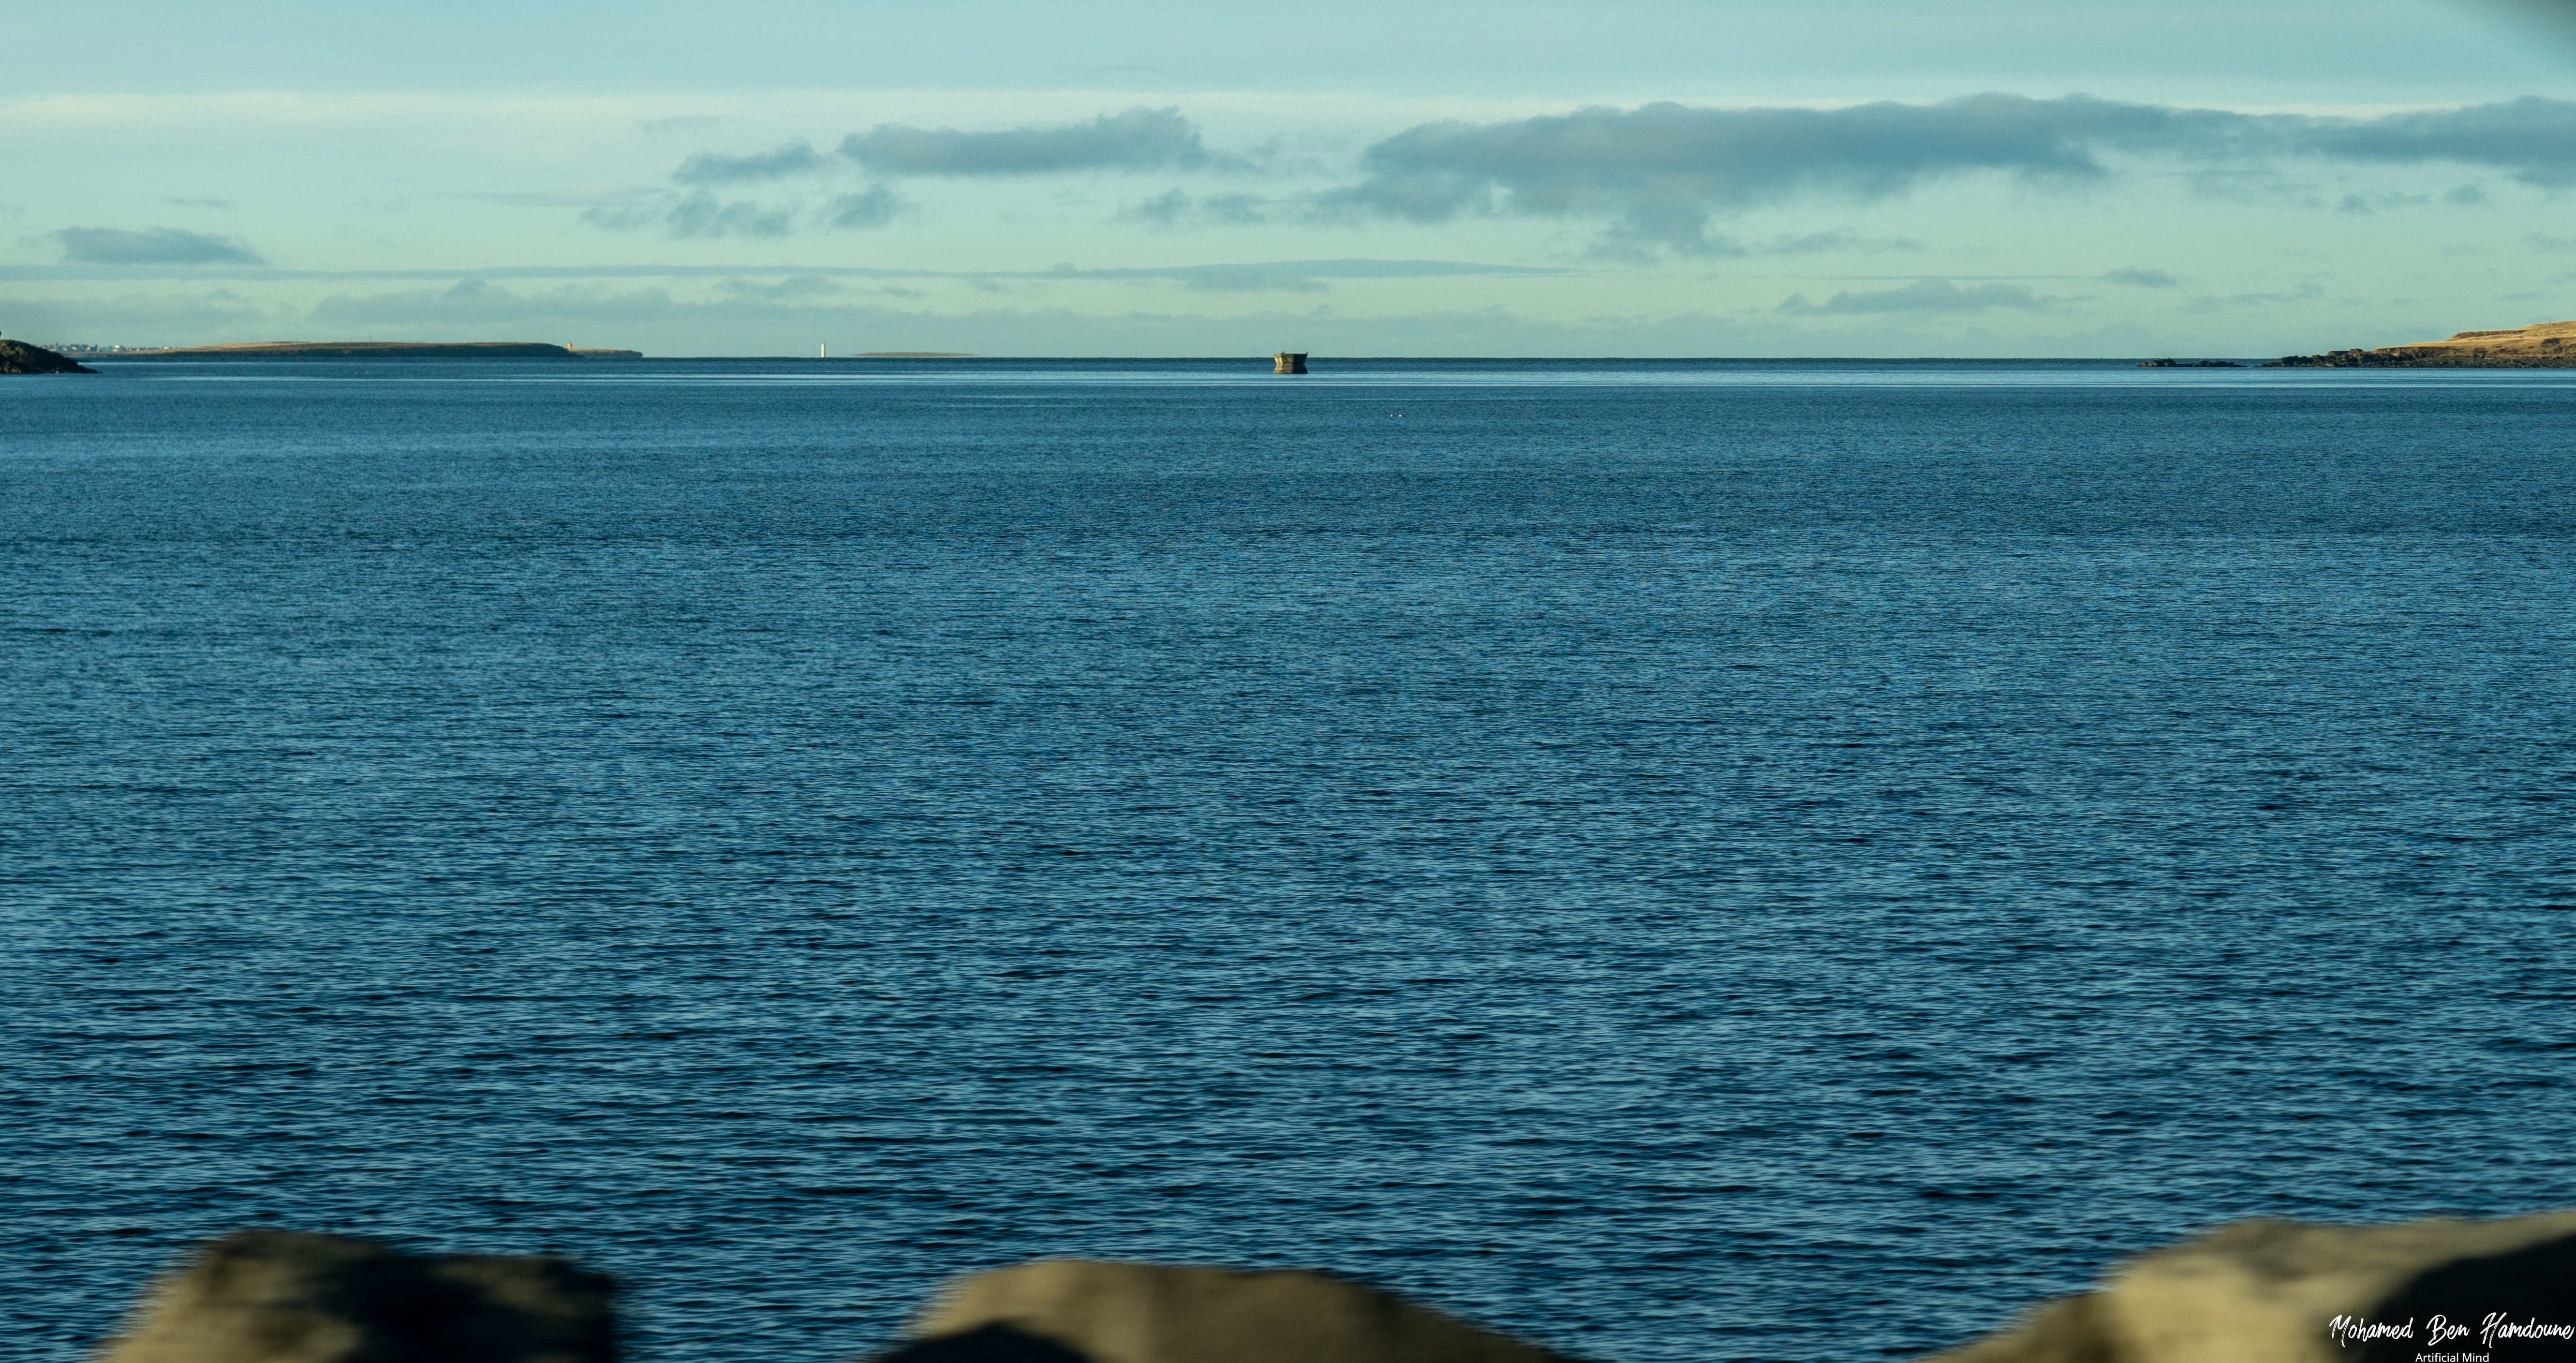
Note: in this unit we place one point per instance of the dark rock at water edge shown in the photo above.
(1094, 1311)
(18, 357)
(2189, 364)
(2419, 357)
(273, 1296)
(2250, 1292)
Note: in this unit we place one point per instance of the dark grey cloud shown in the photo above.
(700, 214)
(1625, 241)
(2531, 138)
(874, 206)
(1835, 242)
(1139, 139)
(2141, 279)
(1296, 276)
(777, 163)
(1662, 171)
(1176, 208)
(704, 215)
(1166, 209)
(151, 246)
(1923, 295)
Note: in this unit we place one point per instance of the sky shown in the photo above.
(1626, 177)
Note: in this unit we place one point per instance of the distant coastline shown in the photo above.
(380, 350)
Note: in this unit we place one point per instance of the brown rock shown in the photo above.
(2273, 1291)
(272, 1296)
(1089, 1311)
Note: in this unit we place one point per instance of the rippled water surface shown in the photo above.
(1721, 862)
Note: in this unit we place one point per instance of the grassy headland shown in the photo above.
(2542, 345)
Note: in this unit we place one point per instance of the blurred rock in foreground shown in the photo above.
(2253, 1292)
(2276, 1291)
(271, 1296)
(1088, 1311)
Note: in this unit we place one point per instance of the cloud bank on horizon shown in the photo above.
(150, 246)
(1980, 220)
(1658, 172)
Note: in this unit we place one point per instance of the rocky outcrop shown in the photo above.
(18, 357)
(2255, 1292)
(2543, 345)
(2189, 364)
(2290, 1292)
(1288, 362)
(1090, 1311)
(271, 1296)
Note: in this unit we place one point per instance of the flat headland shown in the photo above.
(382, 350)
(2542, 345)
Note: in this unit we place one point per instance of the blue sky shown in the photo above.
(2007, 178)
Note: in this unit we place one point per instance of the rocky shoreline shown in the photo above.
(2251, 1292)
(2543, 345)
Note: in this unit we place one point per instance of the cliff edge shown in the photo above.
(2542, 345)
(18, 357)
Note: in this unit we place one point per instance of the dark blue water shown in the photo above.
(1687, 862)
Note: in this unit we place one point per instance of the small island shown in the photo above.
(2542, 345)
(381, 350)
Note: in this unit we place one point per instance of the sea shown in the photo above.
(1683, 861)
